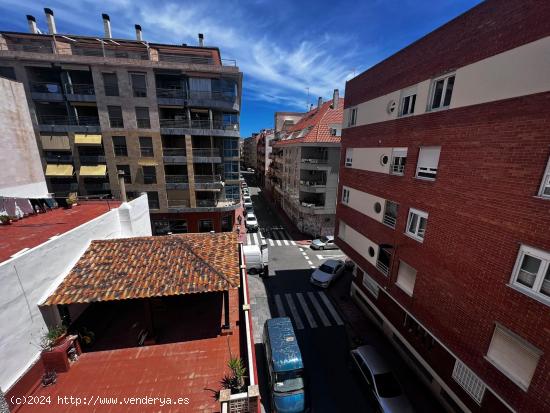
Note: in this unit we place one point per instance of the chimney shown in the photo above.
(311, 107)
(107, 26)
(32, 24)
(122, 185)
(201, 40)
(138, 32)
(51, 21)
(319, 102)
(335, 99)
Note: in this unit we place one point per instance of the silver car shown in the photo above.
(324, 243)
(327, 272)
(382, 382)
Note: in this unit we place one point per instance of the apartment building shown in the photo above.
(263, 155)
(250, 151)
(304, 168)
(444, 205)
(166, 115)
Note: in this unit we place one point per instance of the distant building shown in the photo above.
(263, 155)
(304, 168)
(284, 120)
(250, 149)
(166, 115)
(444, 205)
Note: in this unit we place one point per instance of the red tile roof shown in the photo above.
(34, 230)
(151, 267)
(319, 122)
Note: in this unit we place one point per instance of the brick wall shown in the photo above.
(488, 29)
(481, 207)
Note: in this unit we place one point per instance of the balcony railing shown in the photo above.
(59, 189)
(171, 93)
(54, 120)
(59, 158)
(384, 269)
(313, 183)
(176, 58)
(105, 186)
(389, 220)
(29, 48)
(174, 152)
(176, 179)
(178, 203)
(207, 152)
(314, 160)
(80, 89)
(197, 124)
(45, 87)
(92, 159)
(121, 54)
(397, 169)
(206, 202)
(207, 179)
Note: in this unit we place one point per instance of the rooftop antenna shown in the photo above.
(307, 101)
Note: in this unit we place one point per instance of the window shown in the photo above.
(345, 196)
(469, 381)
(126, 170)
(232, 192)
(408, 99)
(205, 225)
(119, 146)
(513, 356)
(115, 116)
(149, 175)
(146, 146)
(335, 130)
(153, 199)
(416, 224)
(139, 84)
(342, 230)
(352, 120)
(532, 272)
(390, 214)
(230, 147)
(383, 261)
(110, 84)
(227, 223)
(398, 161)
(8, 72)
(545, 186)
(428, 159)
(349, 157)
(442, 90)
(231, 170)
(142, 117)
(406, 277)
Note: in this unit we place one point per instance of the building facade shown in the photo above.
(166, 115)
(263, 155)
(444, 205)
(250, 151)
(304, 168)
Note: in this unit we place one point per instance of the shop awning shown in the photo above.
(85, 139)
(59, 170)
(96, 170)
(148, 162)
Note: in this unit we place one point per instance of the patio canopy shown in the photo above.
(146, 267)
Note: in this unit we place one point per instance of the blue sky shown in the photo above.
(283, 47)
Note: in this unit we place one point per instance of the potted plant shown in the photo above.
(236, 380)
(70, 202)
(5, 219)
(53, 337)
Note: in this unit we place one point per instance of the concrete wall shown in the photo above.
(28, 279)
(22, 174)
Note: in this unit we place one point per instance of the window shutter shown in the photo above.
(514, 356)
(429, 157)
(406, 277)
(399, 152)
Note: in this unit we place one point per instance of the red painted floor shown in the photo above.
(33, 230)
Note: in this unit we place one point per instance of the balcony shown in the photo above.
(314, 164)
(198, 127)
(176, 181)
(313, 186)
(384, 261)
(80, 92)
(92, 159)
(46, 91)
(65, 158)
(208, 182)
(63, 189)
(181, 97)
(178, 204)
(206, 155)
(63, 123)
(174, 155)
(103, 186)
(111, 53)
(202, 205)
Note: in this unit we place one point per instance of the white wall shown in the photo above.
(22, 175)
(364, 203)
(358, 241)
(29, 278)
(369, 159)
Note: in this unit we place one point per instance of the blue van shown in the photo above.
(285, 367)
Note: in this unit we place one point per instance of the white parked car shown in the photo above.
(247, 201)
(327, 273)
(381, 381)
(251, 222)
(324, 243)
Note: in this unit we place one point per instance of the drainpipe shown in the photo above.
(122, 186)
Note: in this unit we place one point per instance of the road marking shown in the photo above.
(278, 242)
(294, 311)
(319, 309)
(271, 242)
(326, 257)
(301, 249)
(331, 308)
(313, 267)
(309, 316)
(248, 241)
(306, 257)
(280, 307)
(292, 242)
(286, 242)
(255, 239)
(310, 263)
(304, 253)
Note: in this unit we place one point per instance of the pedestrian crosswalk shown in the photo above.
(272, 237)
(307, 309)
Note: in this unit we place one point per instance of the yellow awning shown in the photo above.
(59, 170)
(96, 170)
(148, 162)
(80, 139)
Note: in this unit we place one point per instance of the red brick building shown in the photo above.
(444, 205)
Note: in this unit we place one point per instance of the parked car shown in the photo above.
(251, 222)
(324, 243)
(249, 208)
(246, 192)
(244, 184)
(247, 201)
(381, 380)
(327, 272)
(250, 169)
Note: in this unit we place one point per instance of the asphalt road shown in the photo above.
(320, 330)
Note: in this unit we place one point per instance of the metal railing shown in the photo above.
(197, 124)
(29, 48)
(206, 152)
(206, 203)
(178, 203)
(389, 220)
(58, 158)
(313, 183)
(45, 87)
(173, 93)
(80, 89)
(174, 123)
(385, 269)
(174, 152)
(68, 121)
(104, 52)
(314, 160)
(177, 58)
(208, 179)
(397, 169)
(176, 179)
(92, 159)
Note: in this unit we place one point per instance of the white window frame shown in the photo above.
(349, 158)
(398, 169)
(352, 119)
(545, 184)
(420, 214)
(426, 170)
(534, 291)
(445, 79)
(345, 195)
(469, 381)
(407, 93)
(401, 285)
(522, 342)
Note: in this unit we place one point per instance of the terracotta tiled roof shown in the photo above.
(319, 121)
(151, 267)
